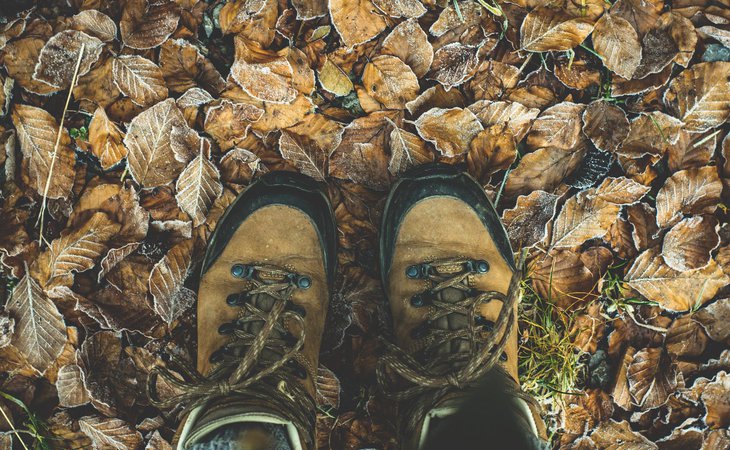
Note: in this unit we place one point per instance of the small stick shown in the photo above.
(58, 142)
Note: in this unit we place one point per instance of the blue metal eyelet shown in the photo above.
(242, 271)
(304, 282)
(418, 271)
(412, 271)
(476, 266)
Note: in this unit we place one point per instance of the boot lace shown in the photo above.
(259, 364)
(428, 375)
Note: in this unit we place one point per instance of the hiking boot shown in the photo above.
(452, 286)
(262, 303)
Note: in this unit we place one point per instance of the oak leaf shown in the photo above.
(40, 333)
(139, 79)
(105, 138)
(700, 96)
(545, 29)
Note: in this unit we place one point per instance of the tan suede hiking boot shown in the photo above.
(262, 303)
(452, 286)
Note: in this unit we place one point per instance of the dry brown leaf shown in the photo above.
(558, 126)
(515, 115)
(328, 388)
(692, 191)
(716, 440)
(491, 150)
(106, 140)
(406, 150)
(578, 74)
(361, 155)
(671, 289)
(110, 433)
(40, 333)
(147, 24)
(70, 387)
(682, 33)
(526, 223)
(435, 97)
(309, 9)
(76, 251)
(650, 134)
(453, 64)
(228, 122)
(691, 150)
(37, 132)
(253, 20)
(620, 239)
(652, 378)
(98, 85)
(184, 68)
(543, 169)
(562, 278)
(151, 158)
(308, 144)
(198, 187)
(642, 14)
(700, 96)
(613, 435)
(390, 81)
(715, 319)
(264, 75)
(139, 79)
(545, 29)
(19, 59)
(584, 216)
(333, 79)
(688, 244)
(409, 9)
(239, 166)
(716, 397)
(686, 338)
(621, 191)
(606, 125)
(642, 218)
(58, 58)
(356, 21)
(620, 391)
(95, 23)
(171, 297)
(450, 130)
(410, 43)
(616, 40)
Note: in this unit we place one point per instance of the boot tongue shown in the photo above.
(453, 321)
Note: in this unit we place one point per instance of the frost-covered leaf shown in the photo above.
(615, 39)
(146, 24)
(410, 43)
(140, 79)
(688, 244)
(356, 21)
(390, 81)
(96, 24)
(105, 138)
(110, 433)
(450, 130)
(70, 386)
(606, 125)
(58, 58)
(171, 297)
(198, 187)
(546, 29)
(692, 191)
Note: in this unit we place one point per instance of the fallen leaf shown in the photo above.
(526, 223)
(253, 20)
(558, 126)
(390, 81)
(95, 23)
(140, 79)
(686, 338)
(171, 298)
(606, 125)
(334, 80)
(308, 144)
(671, 289)
(613, 435)
(716, 439)
(356, 21)
(584, 216)
(146, 25)
(616, 40)
(198, 187)
(715, 319)
(406, 150)
(683, 33)
(19, 59)
(98, 85)
(688, 244)
(184, 68)
(410, 43)
(700, 96)
(650, 134)
(70, 387)
(642, 14)
(692, 191)
(620, 391)
(453, 64)
(40, 333)
(37, 132)
(545, 169)
(492, 149)
(328, 388)
(545, 29)
(409, 9)
(515, 115)
(450, 130)
(435, 97)
(105, 138)
(562, 278)
(309, 9)
(152, 161)
(652, 378)
(228, 122)
(110, 433)
(59, 56)
(621, 191)
(716, 398)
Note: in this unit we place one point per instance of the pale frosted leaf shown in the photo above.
(147, 24)
(170, 297)
(652, 378)
(410, 43)
(197, 188)
(40, 333)
(686, 338)
(716, 398)
(518, 117)
(700, 96)
(356, 21)
(406, 150)
(526, 223)
(606, 125)
(309, 9)
(558, 126)
(650, 134)
(688, 244)
(105, 138)
(409, 9)
(454, 64)
(692, 150)
(37, 131)
(59, 56)
(616, 40)
(612, 435)
(547, 29)
(543, 169)
(139, 79)
(583, 217)
(715, 319)
(450, 130)
(95, 23)
(390, 81)
(621, 191)
(151, 159)
(692, 191)
(110, 433)
(263, 74)
(70, 387)
(672, 289)
(19, 58)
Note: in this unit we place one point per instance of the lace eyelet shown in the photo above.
(503, 357)
(416, 271)
(242, 271)
(418, 301)
(477, 266)
(216, 356)
(227, 328)
(304, 282)
(237, 299)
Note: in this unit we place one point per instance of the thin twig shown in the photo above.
(13, 428)
(58, 142)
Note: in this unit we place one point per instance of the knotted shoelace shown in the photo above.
(440, 375)
(252, 375)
